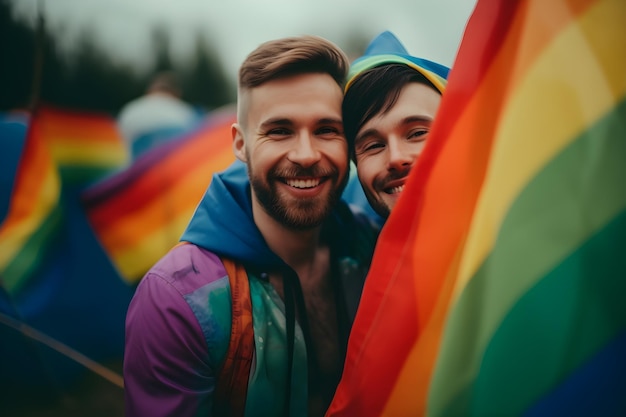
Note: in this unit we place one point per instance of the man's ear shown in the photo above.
(239, 146)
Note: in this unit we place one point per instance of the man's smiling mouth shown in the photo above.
(308, 183)
(395, 190)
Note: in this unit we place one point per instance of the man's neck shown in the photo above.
(298, 248)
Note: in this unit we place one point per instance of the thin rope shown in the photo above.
(63, 349)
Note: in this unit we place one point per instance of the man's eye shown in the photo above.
(370, 147)
(329, 130)
(278, 132)
(419, 134)
(374, 146)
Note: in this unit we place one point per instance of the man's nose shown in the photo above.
(401, 154)
(304, 151)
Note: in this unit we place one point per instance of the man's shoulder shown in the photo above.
(188, 267)
(187, 289)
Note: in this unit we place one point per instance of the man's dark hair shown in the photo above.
(375, 91)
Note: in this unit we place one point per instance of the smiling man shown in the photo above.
(250, 315)
(390, 103)
(292, 140)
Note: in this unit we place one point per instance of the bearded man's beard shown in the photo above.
(297, 214)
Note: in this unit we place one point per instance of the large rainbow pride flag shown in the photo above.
(140, 213)
(497, 287)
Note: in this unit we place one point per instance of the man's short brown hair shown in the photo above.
(290, 56)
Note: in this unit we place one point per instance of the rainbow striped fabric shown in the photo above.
(140, 213)
(34, 213)
(62, 149)
(54, 276)
(85, 146)
(497, 287)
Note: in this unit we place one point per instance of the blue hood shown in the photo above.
(223, 222)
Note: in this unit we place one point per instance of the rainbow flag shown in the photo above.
(84, 145)
(62, 149)
(34, 216)
(54, 276)
(140, 213)
(497, 287)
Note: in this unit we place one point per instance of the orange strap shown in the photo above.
(232, 381)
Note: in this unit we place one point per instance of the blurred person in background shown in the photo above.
(156, 117)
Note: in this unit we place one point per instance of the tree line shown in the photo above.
(33, 68)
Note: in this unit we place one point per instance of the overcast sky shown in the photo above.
(430, 29)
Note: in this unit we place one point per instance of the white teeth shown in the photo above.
(395, 190)
(310, 183)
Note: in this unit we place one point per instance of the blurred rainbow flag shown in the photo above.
(140, 213)
(54, 276)
(497, 287)
(85, 146)
(34, 213)
(62, 148)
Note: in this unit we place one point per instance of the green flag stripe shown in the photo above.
(21, 267)
(557, 326)
(578, 193)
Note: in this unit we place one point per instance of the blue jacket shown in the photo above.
(178, 323)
